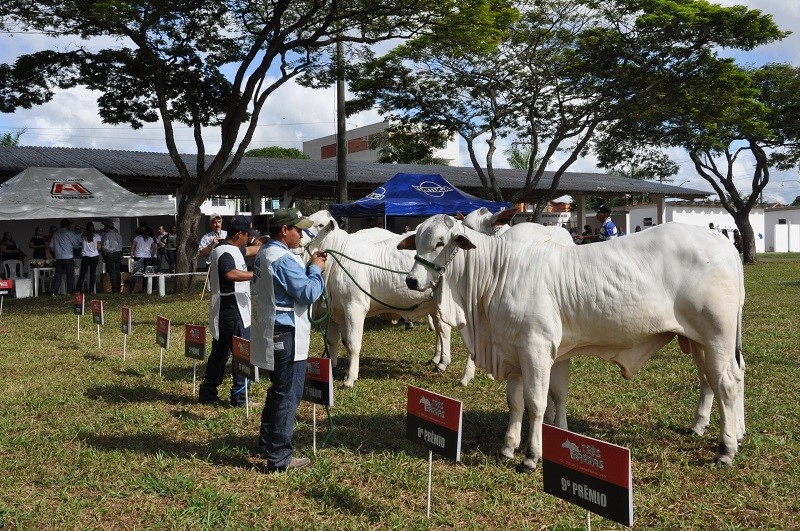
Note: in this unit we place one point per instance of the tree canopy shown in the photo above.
(276, 152)
(201, 63)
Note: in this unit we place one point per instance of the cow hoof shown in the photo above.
(723, 460)
(504, 458)
(693, 432)
(464, 382)
(522, 468)
(441, 367)
(348, 383)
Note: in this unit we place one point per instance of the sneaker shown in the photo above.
(296, 462)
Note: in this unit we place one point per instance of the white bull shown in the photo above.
(355, 289)
(520, 308)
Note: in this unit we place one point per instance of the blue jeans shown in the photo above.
(280, 408)
(218, 360)
(63, 267)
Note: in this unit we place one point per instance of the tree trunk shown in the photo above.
(188, 235)
(748, 238)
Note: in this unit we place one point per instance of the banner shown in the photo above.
(434, 421)
(241, 357)
(162, 332)
(78, 304)
(97, 312)
(318, 387)
(6, 287)
(195, 342)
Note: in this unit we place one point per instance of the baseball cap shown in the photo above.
(604, 209)
(214, 216)
(291, 217)
(241, 223)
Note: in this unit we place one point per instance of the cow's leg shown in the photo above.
(442, 357)
(352, 335)
(740, 405)
(516, 407)
(469, 371)
(702, 414)
(536, 375)
(556, 412)
(726, 378)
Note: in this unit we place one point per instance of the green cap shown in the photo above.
(291, 217)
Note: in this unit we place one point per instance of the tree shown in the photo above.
(408, 145)
(564, 72)
(276, 152)
(200, 63)
(11, 139)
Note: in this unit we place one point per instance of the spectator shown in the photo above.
(284, 288)
(112, 255)
(229, 314)
(587, 231)
(39, 245)
(49, 236)
(91, 243)
(637, 229)
(210, 239)
(62, 245)
(77, 231)
(172, 247)
(9, 249)
(608, 230)
(575, 236)
(711, 226)
(143, 249)
(737, 241)
(161, 245)
(725, 233)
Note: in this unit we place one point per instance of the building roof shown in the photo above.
(154, 173)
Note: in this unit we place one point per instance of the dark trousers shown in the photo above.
(280, 408)
(171, 260)
(63, 267)
(113, 263)
(88, 263)
(218, 360)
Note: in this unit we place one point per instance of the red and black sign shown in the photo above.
(588, 472)
(318, 387)
(127, 321)
(241, 358)
(434, 421)
(195, 342)
(78, 304)
(97, 313)
(6, 287)
(162, 332)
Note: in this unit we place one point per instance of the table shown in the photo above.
(38, 276)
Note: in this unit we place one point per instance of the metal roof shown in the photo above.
(154, 173)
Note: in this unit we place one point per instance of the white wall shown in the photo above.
(784, 233)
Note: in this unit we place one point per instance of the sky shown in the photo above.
(294, 114)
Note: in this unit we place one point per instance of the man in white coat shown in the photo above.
(229, 315)
(283, 289)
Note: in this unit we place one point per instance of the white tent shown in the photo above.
(50, 193)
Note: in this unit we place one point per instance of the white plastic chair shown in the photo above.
(23, 287)
(14, 269)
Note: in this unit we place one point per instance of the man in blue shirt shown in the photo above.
(283, 289)
(608, 230)
(61, 244)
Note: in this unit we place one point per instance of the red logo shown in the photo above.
(65, 189)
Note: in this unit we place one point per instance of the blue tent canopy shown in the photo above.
(411, 194)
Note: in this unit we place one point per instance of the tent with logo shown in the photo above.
(412, 194)
(51, 193)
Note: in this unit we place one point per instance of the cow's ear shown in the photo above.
(504, 217)
(459, 216)
(464, 243)
(409, 243)
(332, 224)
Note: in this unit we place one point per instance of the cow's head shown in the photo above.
(317, 243)
(483, 221)
(436, 242)
(321, 219)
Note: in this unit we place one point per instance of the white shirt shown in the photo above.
(90, 248)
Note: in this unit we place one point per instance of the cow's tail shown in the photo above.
(739, 357)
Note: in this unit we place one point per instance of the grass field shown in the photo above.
(91, 441)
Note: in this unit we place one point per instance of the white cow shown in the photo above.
(520, 308)
(353, 288)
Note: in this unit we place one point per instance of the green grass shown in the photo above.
(89, 441)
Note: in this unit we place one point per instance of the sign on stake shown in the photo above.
(98, 317)
(195, 348)
(434, 421)
(78, 308)
(588, 472)
(241, 361)
(162, 338)
(6, 287)
(318, 389)
(127, 328)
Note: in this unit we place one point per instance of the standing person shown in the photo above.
(39, 245)
(229, 314)
(91, 243)
(62, 244)
(77, 230)
(112, 255)
(210, 239)
(283, 288)
(142, 249)
(737, 241)
(172, 247)
(608, 230)
(161, 245)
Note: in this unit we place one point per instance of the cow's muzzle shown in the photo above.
(412, 283)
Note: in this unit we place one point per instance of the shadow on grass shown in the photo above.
(119, 394)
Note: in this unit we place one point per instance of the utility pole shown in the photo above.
(341, 128)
